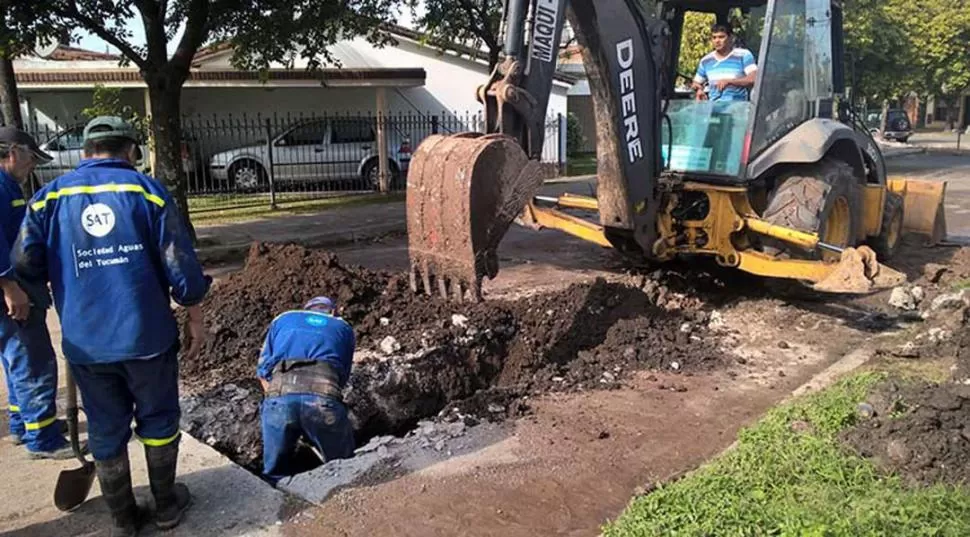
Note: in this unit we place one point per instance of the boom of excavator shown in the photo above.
(788, 184)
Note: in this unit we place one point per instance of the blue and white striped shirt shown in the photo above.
(737, 64)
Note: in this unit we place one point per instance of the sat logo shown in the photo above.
(98, 219)
(315, 320)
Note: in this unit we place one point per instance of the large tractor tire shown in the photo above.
(822, 199)
(886, 244)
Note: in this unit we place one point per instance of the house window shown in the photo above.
(348, 131)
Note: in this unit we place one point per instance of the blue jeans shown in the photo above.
(323, 420)
(114, 393)
(30, 367)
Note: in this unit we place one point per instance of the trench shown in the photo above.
(422, 358)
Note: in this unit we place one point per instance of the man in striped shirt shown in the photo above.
(730, 72)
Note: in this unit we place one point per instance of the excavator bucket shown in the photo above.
(463, 193)
(923, 211)
(858, 271)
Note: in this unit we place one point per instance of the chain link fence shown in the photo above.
(244, 160)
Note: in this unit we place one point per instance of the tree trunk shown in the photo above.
(165, 97)
(9, 95)
(493, 56)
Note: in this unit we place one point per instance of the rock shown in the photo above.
(800, 426)
(933, 272)
(609, 377)
(459, 320)
(385, 321)
(629, 353)
(686, 328)
(950, 301)
(907, 350)
(389, 345)
(918, 294)
(558, 379)
(898, 452)
(716, 321)
(603, 435)
(675, 366)
(902, 299)
(382, 451)
(783, 345)
(495, 409)
(865, 410)
(439, 445)
(938, 335)
(944, 400)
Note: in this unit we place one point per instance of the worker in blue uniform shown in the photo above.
(304, 365)
(113, 245)
(29, 362)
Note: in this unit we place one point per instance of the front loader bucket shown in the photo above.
(463, 193)
(858, 271)
(923, 211)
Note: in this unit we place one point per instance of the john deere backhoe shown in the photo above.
(788, 184)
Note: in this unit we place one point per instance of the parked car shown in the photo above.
(898, 127)
(67, 148)
(316, 150)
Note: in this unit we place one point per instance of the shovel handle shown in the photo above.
(72, 416)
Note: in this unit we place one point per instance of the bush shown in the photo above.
(574, 135)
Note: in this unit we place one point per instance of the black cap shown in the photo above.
(13, 136)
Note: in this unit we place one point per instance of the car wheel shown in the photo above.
(372, 176)
(247, 175)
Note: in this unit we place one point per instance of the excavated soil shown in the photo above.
(921, 431)
(419, 356)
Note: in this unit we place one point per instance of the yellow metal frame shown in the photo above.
(923, 211)
(720, 232)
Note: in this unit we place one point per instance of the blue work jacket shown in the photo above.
(308, 336)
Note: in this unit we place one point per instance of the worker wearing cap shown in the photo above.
(116, 252)
(304, 365)
(29, 363)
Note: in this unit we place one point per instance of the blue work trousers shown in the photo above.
(30, 367)
(114, 393)
(322, 420)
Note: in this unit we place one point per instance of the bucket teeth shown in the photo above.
(448, 286)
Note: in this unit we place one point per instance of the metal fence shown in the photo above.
(260, 160)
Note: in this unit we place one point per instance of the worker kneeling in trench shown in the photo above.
(304, 365)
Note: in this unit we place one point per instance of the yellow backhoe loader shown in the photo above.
(786, 184)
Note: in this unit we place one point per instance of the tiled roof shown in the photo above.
(55, 77)
(65, 53)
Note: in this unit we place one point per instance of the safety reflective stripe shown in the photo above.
(14, 408)
(98, 189)
(19, 203)
(159, 442)
(40, 424)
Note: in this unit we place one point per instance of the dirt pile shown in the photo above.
(418, 355)
(921, 431)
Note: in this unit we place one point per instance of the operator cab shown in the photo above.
(795, 81)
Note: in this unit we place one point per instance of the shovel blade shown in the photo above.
(73, 487)
(859, 272)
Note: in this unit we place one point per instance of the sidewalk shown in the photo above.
(228, 501)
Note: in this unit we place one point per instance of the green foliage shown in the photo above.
(781, 482)
(467, 22)
(574, 134)
(107, 102)
(696, 42)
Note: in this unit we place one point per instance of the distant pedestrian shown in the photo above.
(29, 361)
(115, 249)
(305, 364)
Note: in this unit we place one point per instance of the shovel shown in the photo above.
(73, 486)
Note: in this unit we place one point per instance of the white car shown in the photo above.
(66, 147)
(318, 149)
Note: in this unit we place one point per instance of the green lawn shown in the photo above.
(584, 164)
(780, 482)
(216, 209)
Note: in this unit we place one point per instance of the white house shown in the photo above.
(434, 90)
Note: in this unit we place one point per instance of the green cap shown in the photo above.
(103, 127)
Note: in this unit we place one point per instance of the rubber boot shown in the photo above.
(114, 475)
(171, 498)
